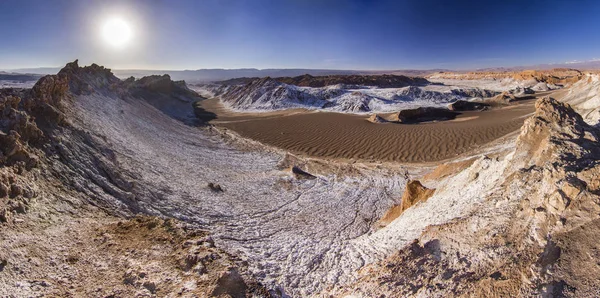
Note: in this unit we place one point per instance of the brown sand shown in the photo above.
(346, 136)
(414, 193)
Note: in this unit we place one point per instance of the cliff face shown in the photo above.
(268, 94)
(557, 76)
(529, 234)
(585, 97)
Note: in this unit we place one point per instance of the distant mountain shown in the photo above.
(211, 75)
(581, 65)
(38, 70)
(217, 74)
(382, 81)
(21, 77)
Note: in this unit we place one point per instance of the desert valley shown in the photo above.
(379, 149)
(488, 182)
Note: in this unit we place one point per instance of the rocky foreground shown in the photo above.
(108, 188)
(532, 233)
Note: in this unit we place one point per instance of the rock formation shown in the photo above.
(557, 76)
(585, 97)
(463, 105)
(249, 94)
(267, 93)
(423, 114)
(381, 81)
(375, 118)
(475, 93)
(414, 193)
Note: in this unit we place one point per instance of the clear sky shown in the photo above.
(178, 34)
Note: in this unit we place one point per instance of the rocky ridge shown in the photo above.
(381, 81)
(268, 94)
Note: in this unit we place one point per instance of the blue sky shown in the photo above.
(177, 34)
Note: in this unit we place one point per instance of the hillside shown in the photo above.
(584, 95)
(268, 94)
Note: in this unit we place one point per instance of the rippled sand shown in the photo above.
(335, 135)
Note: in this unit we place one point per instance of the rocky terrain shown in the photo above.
(585, 97)
(530, 233)
(381, 81)
(350, 94)
(110, 187)
(306, 80)
(11, 80)
(384, 93)
(537, 80)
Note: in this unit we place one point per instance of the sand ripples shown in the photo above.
(345, 136)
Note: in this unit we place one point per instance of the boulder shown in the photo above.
(301, 174)
(375, 118)
(423, 114)
(463, 105)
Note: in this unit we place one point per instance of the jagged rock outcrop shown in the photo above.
(267, 93)
(475, 93)
(270, 94)
(413, 92)
(503, 98)
(161, 84)
(173, 98)
(39, 127)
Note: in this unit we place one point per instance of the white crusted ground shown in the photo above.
(295, 233)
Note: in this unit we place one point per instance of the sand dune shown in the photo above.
(346, 136)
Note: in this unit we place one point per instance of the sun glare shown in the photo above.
(116, 32)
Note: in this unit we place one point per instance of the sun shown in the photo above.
(116, 32)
